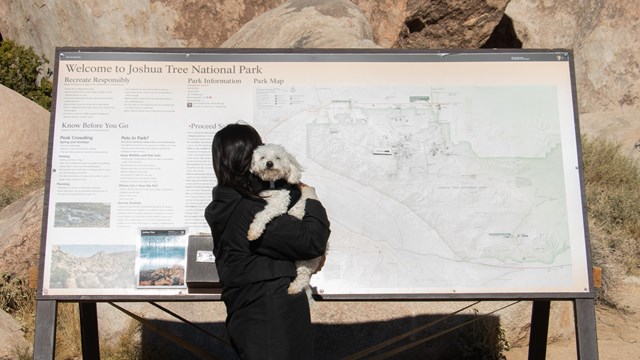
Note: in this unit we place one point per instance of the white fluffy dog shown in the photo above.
(273, 164)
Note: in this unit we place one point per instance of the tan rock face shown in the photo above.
(432, 24)
(605, 38)
(11, 337)
(209, 23)
(24, 134)
(306, 24)
(45, 25)
(622, 127)
(20, 230)
(386, 17)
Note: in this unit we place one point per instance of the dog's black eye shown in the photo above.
(277, 158)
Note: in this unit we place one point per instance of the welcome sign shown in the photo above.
(443, 173)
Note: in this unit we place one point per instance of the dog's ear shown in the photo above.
(254, 169)
(295, 170)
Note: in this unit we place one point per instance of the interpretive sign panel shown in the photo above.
(443, 174)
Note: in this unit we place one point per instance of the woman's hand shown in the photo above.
(323, 258)
(308, 191)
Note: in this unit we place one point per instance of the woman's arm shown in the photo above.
(288, 238)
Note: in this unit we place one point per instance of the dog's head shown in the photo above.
(271, 162)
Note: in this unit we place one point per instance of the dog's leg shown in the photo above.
(304, 269)
(277, 202)
(297, 210)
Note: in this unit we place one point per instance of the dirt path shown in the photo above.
(618, 331)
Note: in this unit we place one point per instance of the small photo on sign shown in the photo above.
(161, 258)
(92, 266)
(205, 256)
(82, 215)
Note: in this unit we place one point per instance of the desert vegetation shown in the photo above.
(611, 182)
(21, 71)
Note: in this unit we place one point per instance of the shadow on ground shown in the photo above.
(479, 339)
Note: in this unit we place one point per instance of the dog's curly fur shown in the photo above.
(272, 164)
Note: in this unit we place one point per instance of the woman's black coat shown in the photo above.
(263, 321)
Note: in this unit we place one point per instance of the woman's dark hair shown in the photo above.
(231, 152)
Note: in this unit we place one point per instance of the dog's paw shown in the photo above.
(255, 231)
(297, 211)
(294, 288)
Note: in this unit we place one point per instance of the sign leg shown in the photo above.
(45, 334)
(586, 332)
(539, 329)
(89, 330)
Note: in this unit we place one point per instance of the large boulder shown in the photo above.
(12, 341)
(433, 24)
(20, 232)
(306, 24)
(24, 133)
(44, 25)
(605, 38)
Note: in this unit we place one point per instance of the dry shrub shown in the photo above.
(18, 299)
(609, 260)
(127, 346)
(68, 334)
(612, 186)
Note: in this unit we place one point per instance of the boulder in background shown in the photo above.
(605, 38)
(24, 134)
(306, 24)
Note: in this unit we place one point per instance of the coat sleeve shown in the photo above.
(288, 238)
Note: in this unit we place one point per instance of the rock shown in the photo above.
(619, 126)
(12, 341)
(44, 25)
(387, 18)
(605, 38)
(306, 24)
(201, 23)
(20, 230)
(24, 134)
(433, 24)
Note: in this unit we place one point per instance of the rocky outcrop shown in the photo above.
(306, 24)
(404, 24)
(621, 127)
(442, 24)
(44, 25)
(12, 341)
(605, 38)
(20, 230)
(24, 132)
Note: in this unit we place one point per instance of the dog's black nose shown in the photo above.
(269, 164)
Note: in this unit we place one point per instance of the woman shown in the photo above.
(263, 320)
